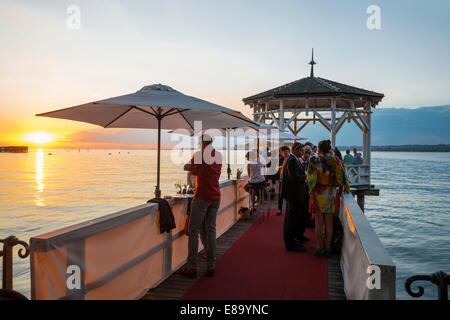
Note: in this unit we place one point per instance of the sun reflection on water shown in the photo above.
(39, 201)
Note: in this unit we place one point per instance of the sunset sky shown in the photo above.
(220, 51)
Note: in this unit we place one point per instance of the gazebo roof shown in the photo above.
(312, 87)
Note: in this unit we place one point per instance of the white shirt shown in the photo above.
(256, 172)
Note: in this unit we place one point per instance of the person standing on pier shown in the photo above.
(307, 152)
(357, 158)
(303, 213)
(348, 158)
(294, 190)
(325, 174)
(206, 165)
(283, 155)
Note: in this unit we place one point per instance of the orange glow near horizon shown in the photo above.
(40, 138)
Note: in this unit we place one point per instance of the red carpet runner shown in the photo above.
(258, 267)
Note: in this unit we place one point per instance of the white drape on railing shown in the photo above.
(119, 256)
(367, 269)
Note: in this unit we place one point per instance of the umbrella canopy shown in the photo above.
(271, 133)
(143, 108)
(153, 107)
(282, 136)
(228, 132)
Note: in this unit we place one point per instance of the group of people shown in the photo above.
(349, 159)
(311, 178)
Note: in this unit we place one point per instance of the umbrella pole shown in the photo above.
(257, 149)
(158, 168)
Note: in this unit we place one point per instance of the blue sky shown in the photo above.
(220, 51)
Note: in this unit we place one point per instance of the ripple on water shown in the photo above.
(411, 215)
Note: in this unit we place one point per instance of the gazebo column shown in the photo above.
(281, 116)
(266, 105)
(333, 123)
(366, 136)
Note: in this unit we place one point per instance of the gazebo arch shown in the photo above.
(317, 100)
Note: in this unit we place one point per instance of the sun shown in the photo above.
(39, 138)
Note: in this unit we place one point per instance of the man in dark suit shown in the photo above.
(302, 222)
(307, 151)
(294, 191)
(284, 154)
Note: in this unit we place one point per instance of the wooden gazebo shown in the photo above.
(317, 100)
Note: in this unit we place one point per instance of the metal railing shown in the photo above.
(7, 292)
(440, 279)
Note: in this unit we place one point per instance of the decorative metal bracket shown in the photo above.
(7, 254)
(440, 278)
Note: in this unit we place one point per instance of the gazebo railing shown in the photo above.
(358, 174)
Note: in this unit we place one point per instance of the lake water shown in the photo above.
(48, 189)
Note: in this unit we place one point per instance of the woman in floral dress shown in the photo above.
(325, 175)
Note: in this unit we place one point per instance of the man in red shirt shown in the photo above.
(206, 165)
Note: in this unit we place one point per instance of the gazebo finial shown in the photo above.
(312, 63)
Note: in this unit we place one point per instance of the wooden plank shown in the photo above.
(335, 281)
(366, 192)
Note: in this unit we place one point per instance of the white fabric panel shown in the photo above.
(141, 120)
(157, 98)
(120, 256)
(122, 111)
(361, 248)
(99, 114)
(214, 119)
(353, 262)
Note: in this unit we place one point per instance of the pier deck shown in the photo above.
(253, 264)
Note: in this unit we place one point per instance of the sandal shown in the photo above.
(327, 252)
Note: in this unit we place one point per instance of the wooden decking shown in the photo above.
(335, 281)
(176, 286)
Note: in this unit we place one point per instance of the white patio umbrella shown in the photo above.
(153, 107)
(279, 136)
(227, 132)
(272, 133)
(282, 136)
(269, 136)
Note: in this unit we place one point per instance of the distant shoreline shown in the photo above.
(397, 148)
(405, 148)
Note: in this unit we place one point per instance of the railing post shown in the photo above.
(7, 267)
(360, 200)
(7, 254)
